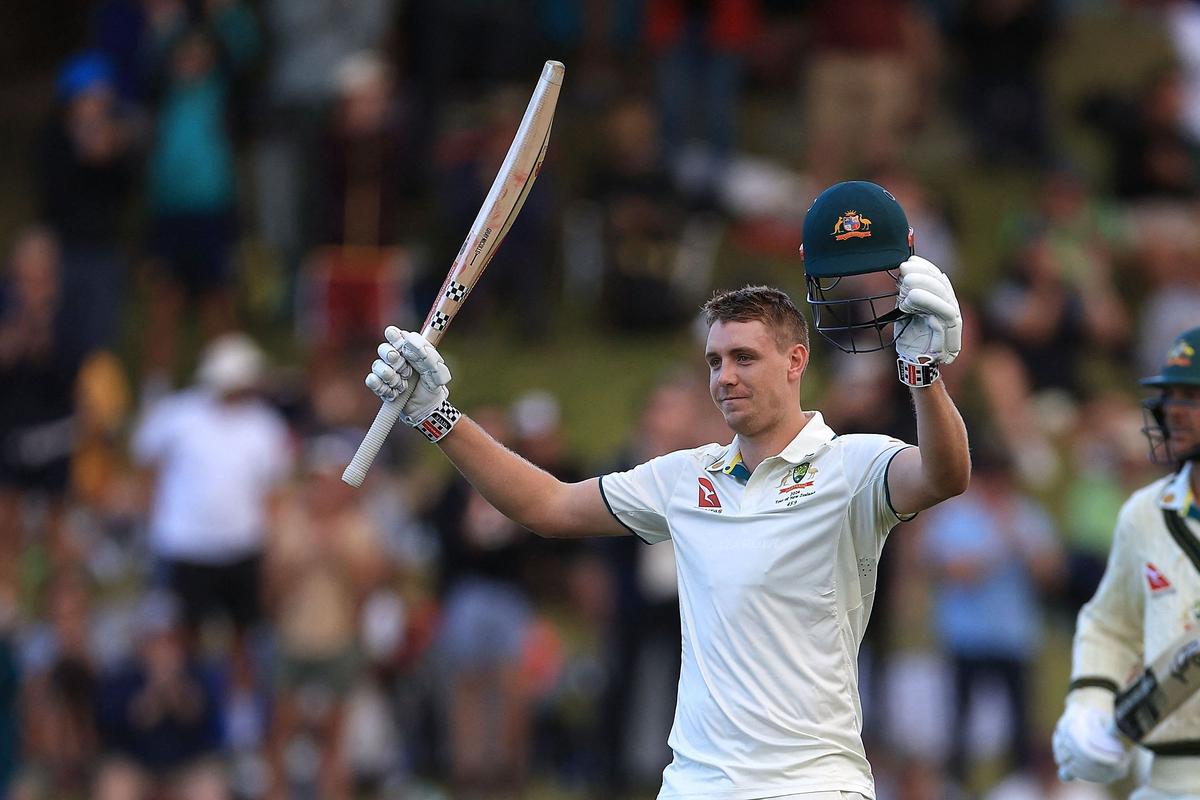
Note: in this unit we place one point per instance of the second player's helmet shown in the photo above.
(856, 235)
(1182, 369)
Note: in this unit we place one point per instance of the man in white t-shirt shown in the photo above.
(218, 455)
(777, 535)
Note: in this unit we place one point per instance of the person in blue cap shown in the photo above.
(88, 163)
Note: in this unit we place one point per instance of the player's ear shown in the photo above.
(797, 360)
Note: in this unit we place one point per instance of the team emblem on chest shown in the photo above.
(797, 483)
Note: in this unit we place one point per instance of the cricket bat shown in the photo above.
(509, 190)
(1166, 684)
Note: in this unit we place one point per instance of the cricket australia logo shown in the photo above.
(797, 483)
(852, 225)
(1181, 354)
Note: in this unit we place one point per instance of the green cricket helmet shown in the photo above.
(856, 235)
(1181, 368)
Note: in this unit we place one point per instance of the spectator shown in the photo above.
(159, 714)
(1004, 47)
(1054, 313)
(699, 49)
(38, 371)
(642, 217)
(1153, 154)
(357, 281)
(58, 693)
(992, 551)
(1167, 258)
(88, 163)
(218, 456)
(864, 76)
(309, 39)
(192, 177)
(323, 559)
(487, 620)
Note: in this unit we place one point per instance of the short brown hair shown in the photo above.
(765, 304)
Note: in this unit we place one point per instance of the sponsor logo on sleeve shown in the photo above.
(1155, 579)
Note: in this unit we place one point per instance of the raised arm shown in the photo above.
(940, 466)
(523, 492)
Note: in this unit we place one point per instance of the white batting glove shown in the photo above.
(932, 332)
(410, 370)
(1085, 746)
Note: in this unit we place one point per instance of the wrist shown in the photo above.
(915, 373)
(1095, 697)
(438, 422)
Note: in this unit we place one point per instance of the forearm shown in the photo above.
(942, 440)
(518, 489)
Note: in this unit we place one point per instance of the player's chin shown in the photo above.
(735, 418)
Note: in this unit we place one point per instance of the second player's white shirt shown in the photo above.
(1150, 594)
(776, 582)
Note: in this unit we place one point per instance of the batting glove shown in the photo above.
(931, 334)
(1085, 744)
(410, 370)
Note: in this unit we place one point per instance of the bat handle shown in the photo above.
(385, 420)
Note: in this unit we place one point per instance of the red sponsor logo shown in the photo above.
(708, 494)
(1156, 579)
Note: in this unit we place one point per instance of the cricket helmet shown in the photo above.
(856, 235)
(1181, 368)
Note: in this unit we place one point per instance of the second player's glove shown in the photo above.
(1085, 746)
(410, 370)
(932, 330)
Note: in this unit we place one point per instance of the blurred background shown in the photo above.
(209, 210)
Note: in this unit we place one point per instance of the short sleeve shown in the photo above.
(866, 460)
(638, 497)
(152, 438)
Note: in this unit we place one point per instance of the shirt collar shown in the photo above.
(1178, 496)
(811, 437)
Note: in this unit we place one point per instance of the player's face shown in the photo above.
(1181, 411)
(751, 380)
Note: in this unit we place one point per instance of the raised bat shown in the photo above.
(495, 217)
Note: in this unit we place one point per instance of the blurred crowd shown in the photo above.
(231, 198)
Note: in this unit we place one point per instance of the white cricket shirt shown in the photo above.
(776, 575)
(216, 464)
(1150, 594)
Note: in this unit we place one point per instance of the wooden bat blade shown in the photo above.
(1166, 684)
(504, 200)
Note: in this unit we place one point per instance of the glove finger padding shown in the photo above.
(389, 375)
(425, 359)
(380, 388)
(919, 300)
